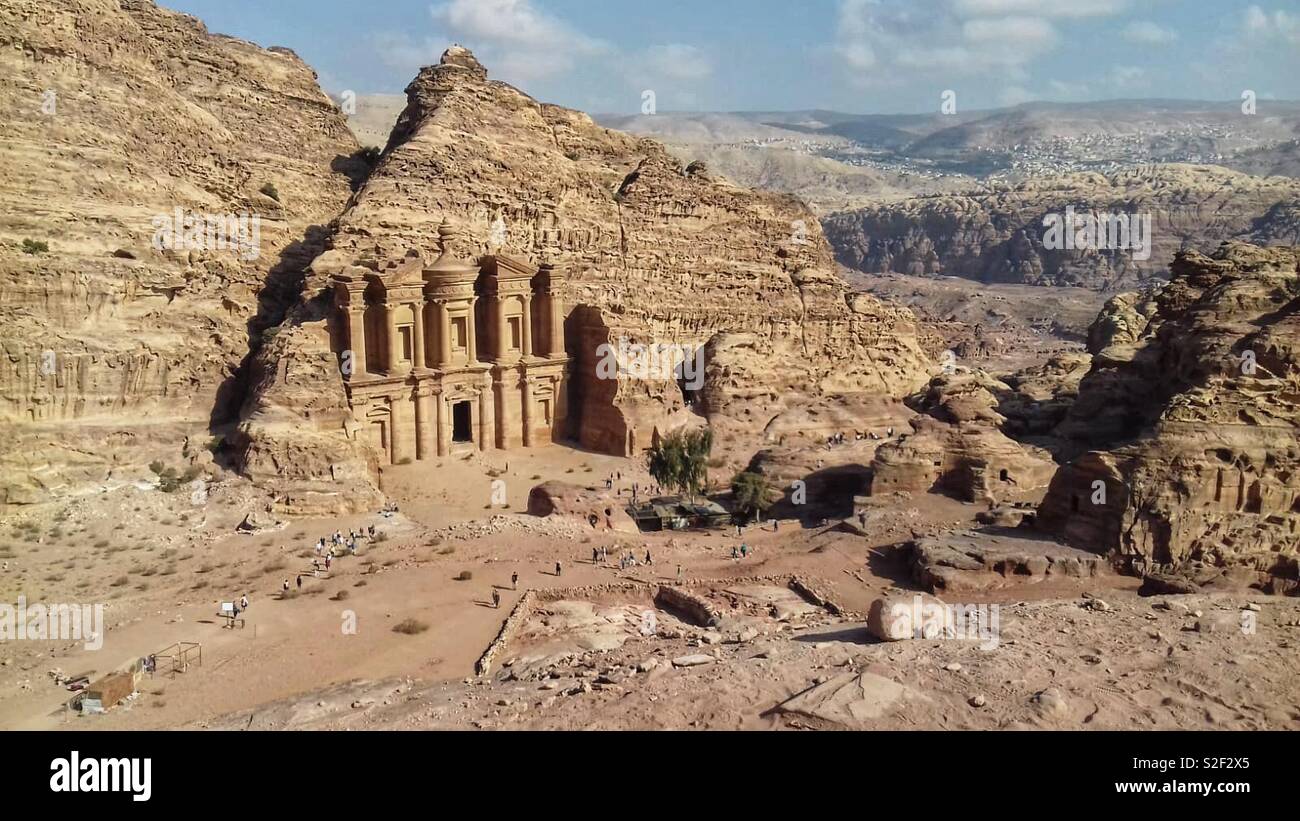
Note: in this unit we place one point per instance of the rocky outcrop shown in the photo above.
(600, 510)
(1193, 428)
(956, 445)
(997, 235)
(654, 253)
(117, 115)
(969, 561)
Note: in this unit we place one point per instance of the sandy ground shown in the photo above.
(162, 564)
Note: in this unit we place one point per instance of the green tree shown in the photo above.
(751, 494)
(680, 460)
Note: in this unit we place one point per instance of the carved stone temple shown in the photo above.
(454, 355)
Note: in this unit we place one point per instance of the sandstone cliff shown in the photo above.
(115, 115)
(1194, 423)
(997, 235)
(653, 251)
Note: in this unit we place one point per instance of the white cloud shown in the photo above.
(1041, 8)
(1066, 90)
(519, 41)
(676, 61)
(1128, 77)
(939, 37)
(1260, 24)
(1015, 95)
(1148, 33)
(403, 54)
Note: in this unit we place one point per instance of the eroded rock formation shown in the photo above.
(1194, 426)
(117, 117)
(956, 445)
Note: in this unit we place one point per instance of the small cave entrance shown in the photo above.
(462, 428)
(689, 374)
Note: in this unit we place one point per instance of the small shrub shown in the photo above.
(410, 627)
(271, 191)
(121, 581)
(342, 595)
(35, 247)
(464, 576)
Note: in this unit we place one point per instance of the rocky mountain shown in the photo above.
(653, 252)
(1001, 234)
(1190, 423)
(160, 189)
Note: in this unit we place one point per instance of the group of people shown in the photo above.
(858, 436)
(327, 545)
(740, 552)
(600, 555)
(330, 547)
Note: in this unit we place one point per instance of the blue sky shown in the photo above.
(861, 56)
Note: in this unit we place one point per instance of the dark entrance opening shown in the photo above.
(461, 425)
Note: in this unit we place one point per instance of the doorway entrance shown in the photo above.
(462, 422)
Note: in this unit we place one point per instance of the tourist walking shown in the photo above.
(286, 585)
(514, 581)
(496, 599)
(243, 601)
(299, 581)
(557, 568)
(679, 573)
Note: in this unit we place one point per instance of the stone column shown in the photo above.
(485, 427)
(556, 339)
(528, 326)
(423, 423)
(390, 335)
(528, 412)
(357, 339)
(444, 336)
(498, 320)
(472, 342)
(444, 425)
(417, 355)
(396, 437)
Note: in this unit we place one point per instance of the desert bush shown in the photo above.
(410, 627)
(464, 576)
